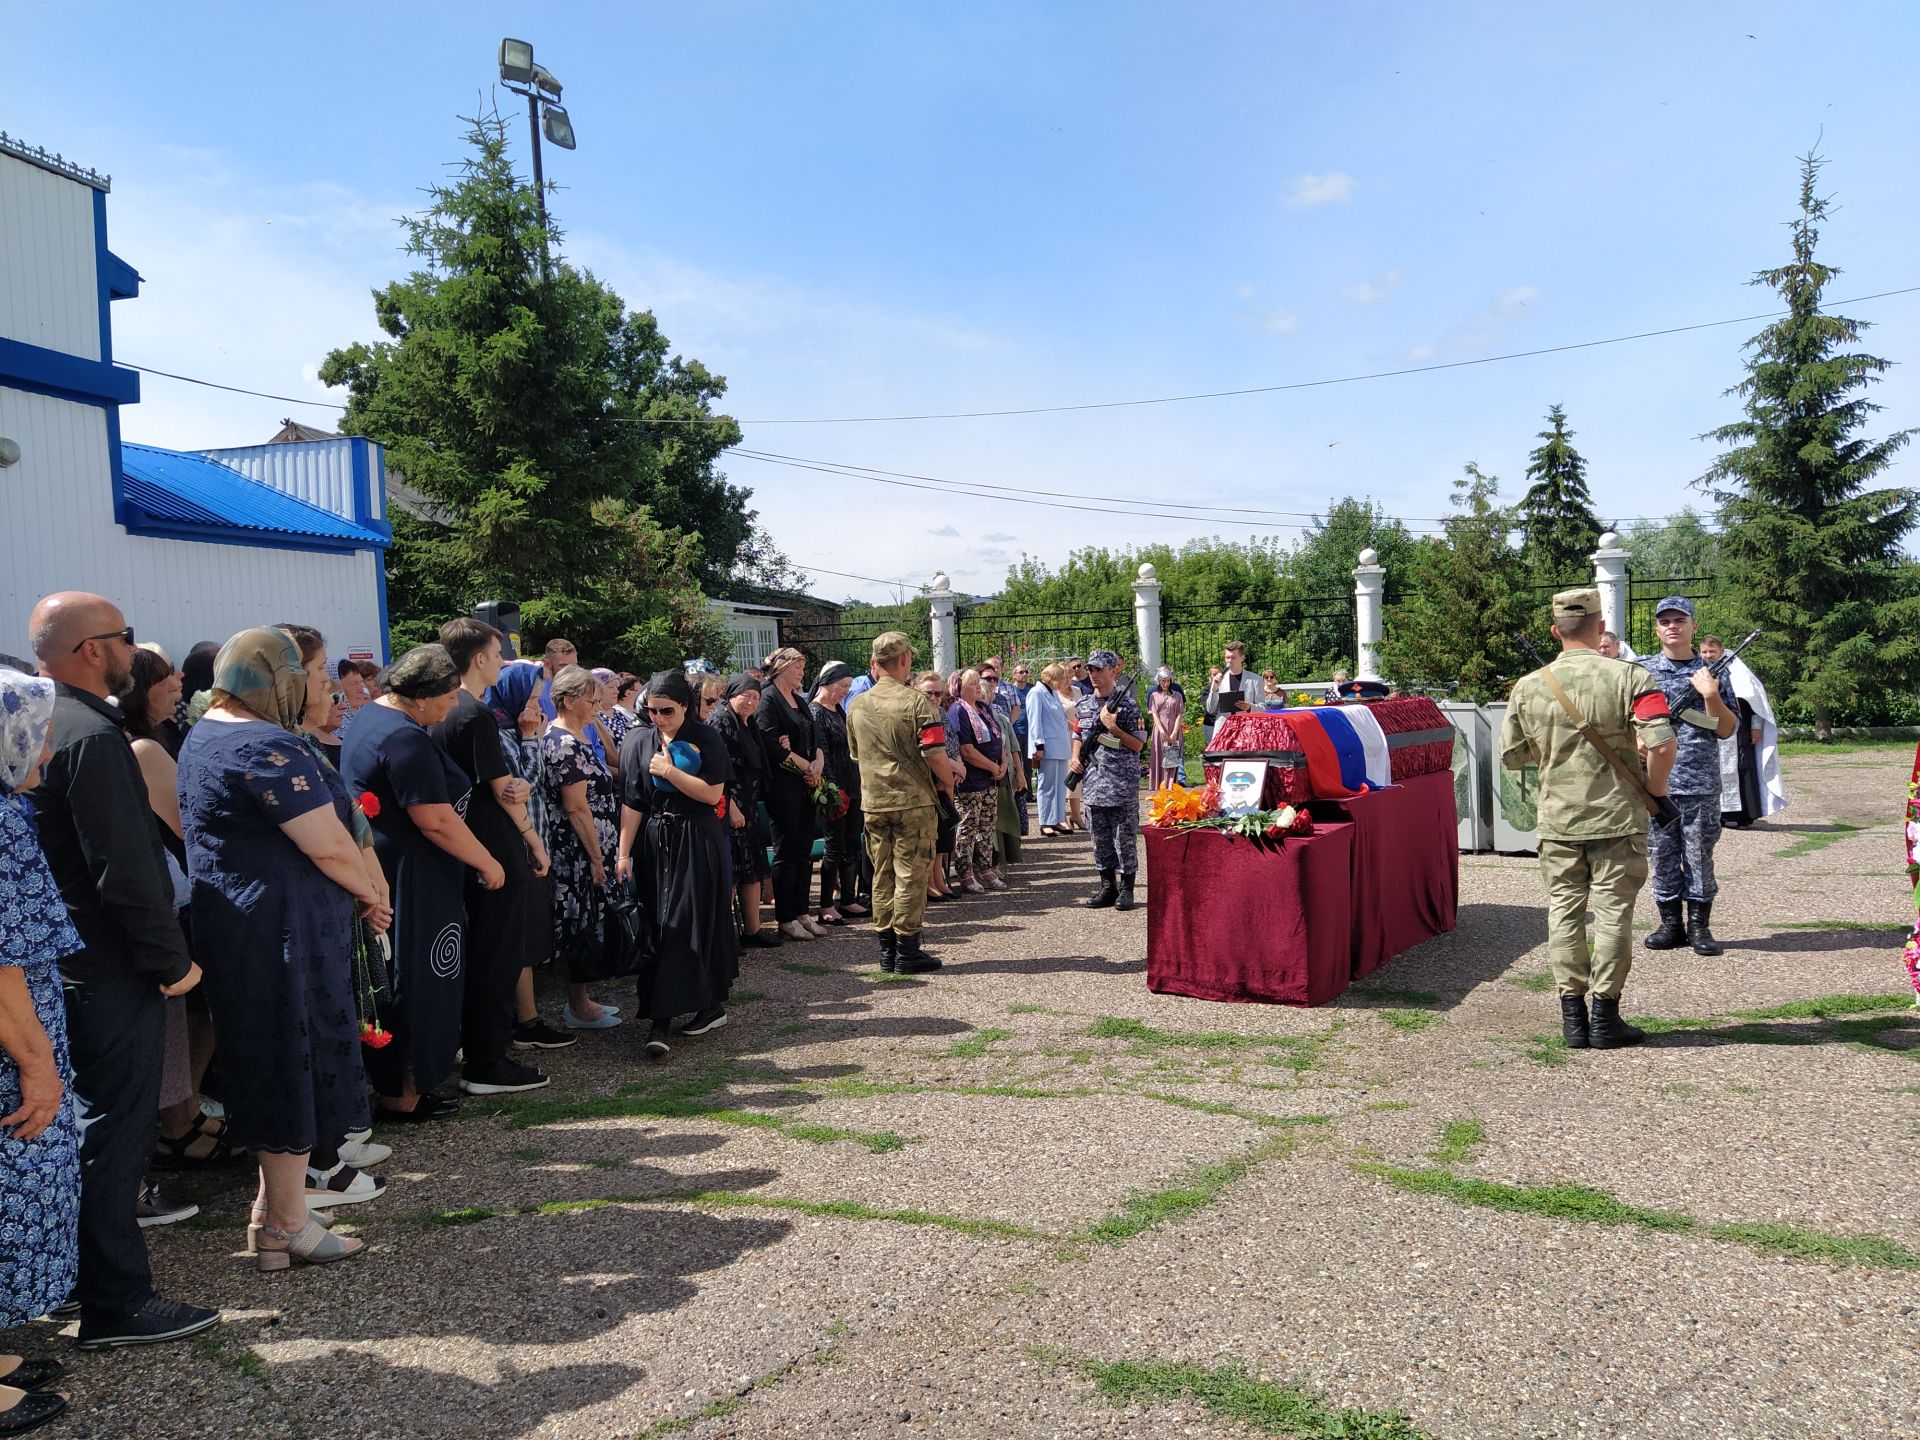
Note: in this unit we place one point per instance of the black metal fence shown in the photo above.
(1042, 636)
(1294, 638)
(1644, 595)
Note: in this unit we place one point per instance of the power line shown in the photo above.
(1114, 404)
(914, 586)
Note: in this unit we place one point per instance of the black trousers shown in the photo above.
(115, 1032)
(496, 954)
(790, 808)
(840, 867)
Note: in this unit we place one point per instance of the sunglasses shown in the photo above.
(663, 709)
(126, 635)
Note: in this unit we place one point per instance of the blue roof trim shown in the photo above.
(123, 281)
(55, 372)
(189, 497)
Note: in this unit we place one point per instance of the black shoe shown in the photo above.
(705, 1021)
(503, 1077)
(1699, 929)
(1573, 1021)
(1672, 933)
(538, 1035)
(767, 937)
(1608, 1031)
(153, 1208)
(658, 1046)
(153, 1322)
(33, 1375)
(428, 1108)
(889, 950)
(1107, 894)
(67, 1309)
(910, 959)
(1125, 902)
(33, 1411)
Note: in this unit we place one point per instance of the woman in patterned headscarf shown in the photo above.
(39, 1140)
(276, 877)
(1910, 955)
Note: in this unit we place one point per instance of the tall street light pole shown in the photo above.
(544, 113)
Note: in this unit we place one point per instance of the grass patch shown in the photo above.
(1390, 995)
(1872, 927)
(801, 967)
(1409, 1022)
(219, 1349)
(1597, 1207)
(1537, 982)
(1026, 1009)
(1547, 1048)
(1391, 1105)
(1828, 1007)
(1301, 1052)
(1458, 1139)
(1845, 747)
(1233, 1394)
(1818, 840)
(743, 997)
(973, 1046)
(1148, 1209)
(853, 1210)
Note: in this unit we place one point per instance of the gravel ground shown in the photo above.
(875, 1207)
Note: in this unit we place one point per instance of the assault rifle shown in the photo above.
(1697, 716)
(1661, 807)
(1090, 742)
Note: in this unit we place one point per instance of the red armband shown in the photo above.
(933, 735)
(1650, 706)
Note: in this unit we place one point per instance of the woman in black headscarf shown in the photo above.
(732, 718)
(673, 846)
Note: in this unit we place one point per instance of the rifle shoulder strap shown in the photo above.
(1585, 727)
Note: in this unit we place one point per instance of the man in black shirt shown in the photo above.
(496, 813)
(113, 876)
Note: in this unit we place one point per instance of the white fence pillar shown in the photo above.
(1369, 588)
(946, 640)
(1146, 619)
(1610, 577)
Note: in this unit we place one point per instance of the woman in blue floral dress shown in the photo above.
(39, 1140)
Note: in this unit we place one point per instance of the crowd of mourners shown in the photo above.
(257, 906)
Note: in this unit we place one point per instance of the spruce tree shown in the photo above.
(1813, 556)
(1556, 514)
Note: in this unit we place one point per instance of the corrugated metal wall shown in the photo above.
(317, 471)
(57, 532)
(49, 288)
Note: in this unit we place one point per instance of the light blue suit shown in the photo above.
(1047, 729)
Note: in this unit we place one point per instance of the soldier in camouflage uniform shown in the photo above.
(1593, 824)
(1110, 787)
(1703, 716)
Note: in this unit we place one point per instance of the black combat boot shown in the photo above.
(1125, 902)
(1699, 931)
(1573, 1021)
(1609, 1031)
(889, 950)
(910, 959)
(1672, 933)
(1108, 892)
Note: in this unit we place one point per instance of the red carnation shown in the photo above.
(373, 1036)
(369, 804)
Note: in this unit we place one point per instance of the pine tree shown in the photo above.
(1556, 514)
(1468, 599)
(1813, 556)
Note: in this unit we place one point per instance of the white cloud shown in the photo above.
(1245, 292)
(1334, 187)
(993, 555)
(1370, 291)
(946, 532)
(1421, 352)
(999, 537)
(1279, 322)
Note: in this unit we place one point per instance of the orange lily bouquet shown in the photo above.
(1176, 807)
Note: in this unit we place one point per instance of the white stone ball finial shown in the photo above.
(1369, 556)
(940, 580)
(1609, 540)
(1147, 572)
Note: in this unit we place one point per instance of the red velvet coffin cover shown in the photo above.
(1287, 780)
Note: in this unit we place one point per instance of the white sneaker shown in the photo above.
(794, 930)
(819, 931)
(362, 1153)
(360, 1137)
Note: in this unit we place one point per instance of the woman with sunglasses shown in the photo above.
(794, 765)
(673, 847)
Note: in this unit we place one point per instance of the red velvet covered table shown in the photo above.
(1295, 925)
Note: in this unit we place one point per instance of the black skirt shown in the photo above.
(686, 902)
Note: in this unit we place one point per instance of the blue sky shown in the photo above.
(862, 209)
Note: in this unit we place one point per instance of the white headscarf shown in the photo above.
(26, 715)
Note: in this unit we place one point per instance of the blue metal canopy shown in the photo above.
(189, 497)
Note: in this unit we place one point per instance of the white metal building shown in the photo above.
(190, 546)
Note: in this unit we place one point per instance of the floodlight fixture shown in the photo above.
(516, 62)
(545, 82)
(556, 125)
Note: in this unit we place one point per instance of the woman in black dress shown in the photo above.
(673, 845)
(732, 718)
(424, 848)
(794, 765)
(840, 866)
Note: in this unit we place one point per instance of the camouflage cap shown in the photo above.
(1675, 602)
(1576, 604)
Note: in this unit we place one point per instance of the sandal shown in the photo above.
(311, 1244)
(205, 1145)
(33, 1408)
(33, 1374)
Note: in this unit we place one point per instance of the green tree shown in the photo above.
(1812, 555)
(1469, 599)
(1556, 515)
(565, 459)
(1678, 547)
